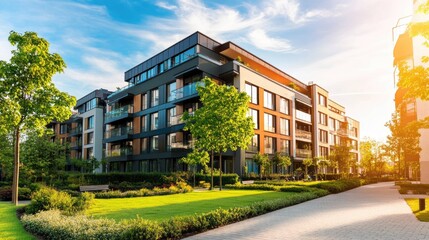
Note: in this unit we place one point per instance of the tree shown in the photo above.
(341, 158)
(195, 158)
(29, 100)
(6, 156)
(221, 124)
(372, 157)
(322, 163)
(307, 162)
(42, 159)
(262, 161)
(282, 160)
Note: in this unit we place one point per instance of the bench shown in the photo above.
(247, 182)
(93, 188)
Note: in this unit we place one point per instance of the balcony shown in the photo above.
(118, 134)
(179, 146)
(119, 152)
(175, 120)
(76, 131)
(184, 92)
(300, 115)
(303, 153)
(303, 135)
(252, 148)
(75, 145)
(119, 113)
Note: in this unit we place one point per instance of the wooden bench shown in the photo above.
(247, 182)
(93, 188)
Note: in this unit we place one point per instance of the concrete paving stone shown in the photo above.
(375, 211)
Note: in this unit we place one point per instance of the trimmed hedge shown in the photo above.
(230, 178)
(340, 185)
(24, 193)
(414, 188)
(180, 188)
(263, 187)
(53, 225)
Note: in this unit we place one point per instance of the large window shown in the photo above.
(151, 72)
(154, 121)
(323, 136)
(269, 101)
(154, 146)
(184, 56)
(143, 145)
(171, 90)
(332, 124)
(91, 104)
(143, 124)
(284, 106)
(269, 122)
(144, 101)
(63, 128)
(254, 144)
(255, 117)
(89, 153)
(172, 141)
(323, 119)
(172, 119)
(284, 126)
(90, 138)
(269, 145)
(324, 152)
(154, 97)
(90, 122)
(284, 146)
(322, 100)
(252, 91)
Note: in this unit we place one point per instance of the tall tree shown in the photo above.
(195, 158)
(6, 156)
(281, 160)
(222, 123)
(29, 99)
(263, 162)
(341, 158)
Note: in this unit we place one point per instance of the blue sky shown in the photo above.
(343, 46)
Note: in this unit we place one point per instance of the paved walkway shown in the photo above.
(374, 211)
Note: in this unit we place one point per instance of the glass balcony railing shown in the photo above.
(185, 91)
(116, 132)
(118, 152)
(178, 145)
(303, 116)
(118, 112)
(76, 130)
(76, 144)
(303, 153)
(302, 134)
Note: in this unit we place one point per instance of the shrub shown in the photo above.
(230, 178)
(263, 187)
(6, 193)
(339, 186)
(49, 198)
(142, 229)
(181, 187)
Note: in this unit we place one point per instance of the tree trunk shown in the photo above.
(15, 182)
(220, 171)
(212, 157)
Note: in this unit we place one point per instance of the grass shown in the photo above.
(164, 207)
(414, 205)
(10, 226)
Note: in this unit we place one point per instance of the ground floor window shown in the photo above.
(252, 167)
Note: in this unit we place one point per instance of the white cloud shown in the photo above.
(259, 37)
(165, 5)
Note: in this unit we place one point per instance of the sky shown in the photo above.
(345, 46)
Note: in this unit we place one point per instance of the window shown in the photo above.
(171, 91)
(144, 145)
(63, 128)
(284, 126)
(269, 100)
(144, 101)
(165, 65)
(143, 76)
(154, 97)
(323, 136)
(252, 167)
(90, 122)
(154, 146)
(269, 123)
(284, 106)
(154, 121)
(254, 144)
(322, 100)
(323, 152)
(89, 153)
(269, 144)
(184, 56)
(332, 124)
(323, 119)
(252, 91)
(90, 138)
(143, 124)
(255, 116)
(151, 72)
(91, 104)
(284, 146)
(331, 139)
(172, 141)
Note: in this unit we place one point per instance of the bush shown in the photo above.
(230, 178)
(52, 225)
(181, 187)
(340, 185)
(263, 187)
(49, 198)
(6, 193)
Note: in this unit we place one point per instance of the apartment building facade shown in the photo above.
(410, 50)
(84, 130)
(144, 131)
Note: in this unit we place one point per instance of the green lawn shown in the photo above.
(164, 207)
(10, 226)
(414, 205)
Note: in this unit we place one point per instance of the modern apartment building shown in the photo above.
(411, 50)
(144, 131)
(84, 130)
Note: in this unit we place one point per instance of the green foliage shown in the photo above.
(222, 123)
(263, 187)
(6, 193)
(6, 156)
(53, 225)
(180, 188)
(263, 162)
(230, 178)
(49, 198)
(340, 185)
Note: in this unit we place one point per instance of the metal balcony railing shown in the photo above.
(303, 153)
(302, 134)
(76, 130)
